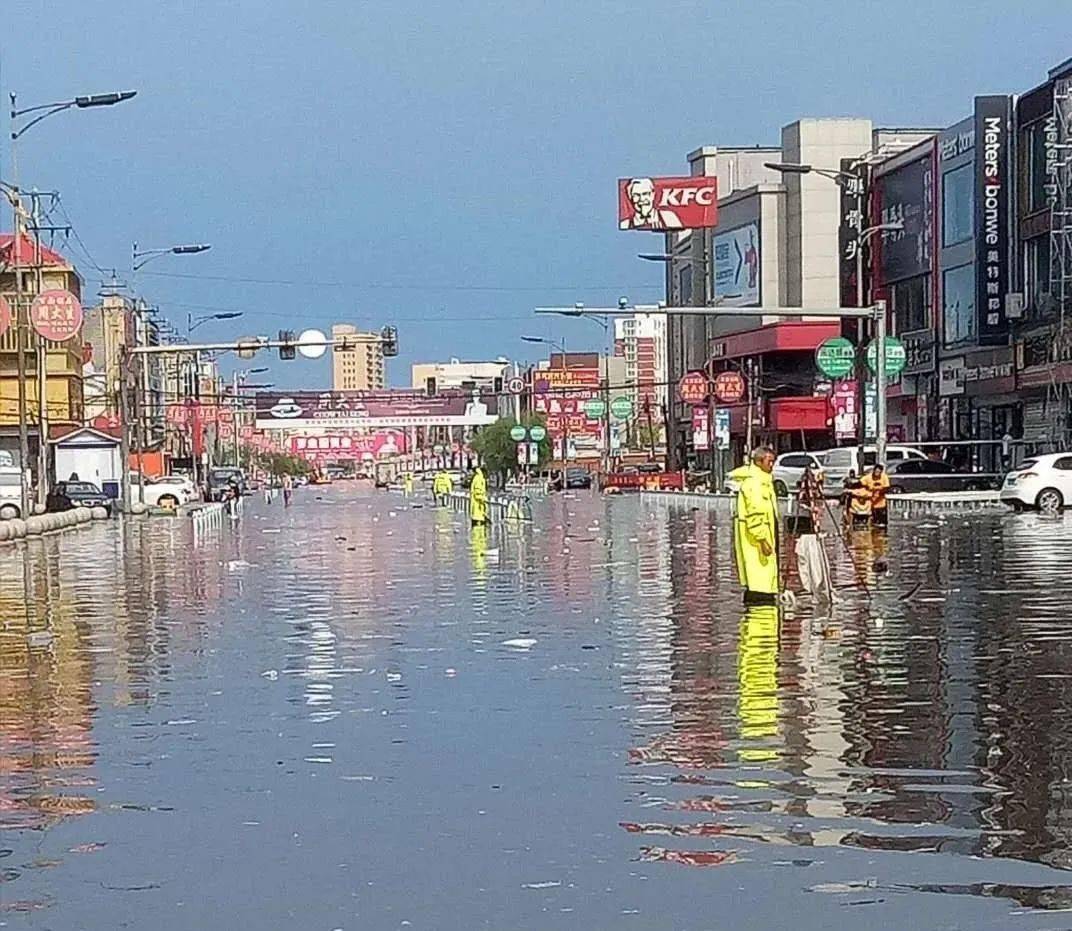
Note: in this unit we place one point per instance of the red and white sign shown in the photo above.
(667, 203)
(515, 385)
(701, 429)
(56, 315)
(729, 387)
(5, 316)
(560, 396)
(692, 388)
(843, 402)
(330, 447)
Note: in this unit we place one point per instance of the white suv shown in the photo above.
(1043, 482)
(789, 469)
(837, 463)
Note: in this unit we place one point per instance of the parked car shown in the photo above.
(223, 477)
(164, 492)
(577, 477)
(837, 463)
(1043, 482)
(67, 495)
(913, 475)
(789, 468)
(183, 480)
(10, 493)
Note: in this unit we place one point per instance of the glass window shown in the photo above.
(912, 304)
(958, 304)
(1037, 195)
(1064, 464)
(1036, 255)
(796, 462)
(958, 205)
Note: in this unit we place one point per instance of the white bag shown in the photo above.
(812, 565)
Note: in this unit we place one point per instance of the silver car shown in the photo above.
(789, 468)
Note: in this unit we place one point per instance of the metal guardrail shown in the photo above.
(503, 507)
(901, 505)
(207, 517)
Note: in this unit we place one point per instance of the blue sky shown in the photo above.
(448, 166)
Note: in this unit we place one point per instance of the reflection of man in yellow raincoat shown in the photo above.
(442, 486)
(478, 498)
(755, 529)
(757, 679)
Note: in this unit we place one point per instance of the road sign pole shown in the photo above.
(880, 384)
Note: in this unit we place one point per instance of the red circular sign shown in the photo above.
(729, 387)
(56, 315)
(5, 316)
(692, 388)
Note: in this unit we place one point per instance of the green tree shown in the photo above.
(499, 452)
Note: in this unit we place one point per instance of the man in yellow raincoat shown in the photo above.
(478, 498)
(755, 529)
(442, 487)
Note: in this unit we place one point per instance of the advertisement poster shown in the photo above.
(365, 410)
(658, 204)
(334, 447)
(701, 438)
(736, 266)
(560, 395)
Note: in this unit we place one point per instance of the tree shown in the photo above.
(278, 463)
(499, 452)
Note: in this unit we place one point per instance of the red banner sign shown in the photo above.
(331, 447)
(5, 316)
(729, 387)
(692, 388)
(56, 315)
(667, 203)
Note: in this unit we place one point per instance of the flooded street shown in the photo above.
(359, 714)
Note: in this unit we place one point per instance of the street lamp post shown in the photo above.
(237, 381)
(41, 112)
(561, 347)
(138, 259)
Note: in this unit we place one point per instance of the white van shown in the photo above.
(837, 463)
(10, 487)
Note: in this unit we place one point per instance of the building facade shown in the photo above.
(640, 342)
(63, 361)
(359, 367)
(435, 376)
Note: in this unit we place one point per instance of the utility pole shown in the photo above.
(22, 325)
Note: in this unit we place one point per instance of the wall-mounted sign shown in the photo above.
(667, 203)
(692, 388)
(736, 266)
(730, 387)
(701, 437)
(56, 315)
(993, 115)
(835, 357)
(951, 376)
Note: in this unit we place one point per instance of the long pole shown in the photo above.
(880, 383)
(124, 428)
(861, 328)
(195, 392)
(42, 370)
(22, 324)
(234, 424)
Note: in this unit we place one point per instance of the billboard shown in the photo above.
(334, 447)
(993, 115)
(372, 410)
(736, 266)
(907, 196)
(559, 396)
(667, 203)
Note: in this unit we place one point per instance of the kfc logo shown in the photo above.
(667, 203)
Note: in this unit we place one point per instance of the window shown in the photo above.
(958, 304)
(930, 467)
(958, 205)
(1064, 464)
(1036, 257)
(910, 467)
(801, 461)
(1037, 179)
(912, 304)
(838, 458)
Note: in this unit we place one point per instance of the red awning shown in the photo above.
(786, 336)
(795, 414)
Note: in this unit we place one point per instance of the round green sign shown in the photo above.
(622, 408)
(518, 433)
(537, 433)
(594, 408)
(895, 356)
(836, 357)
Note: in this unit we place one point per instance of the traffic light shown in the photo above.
(430, 386)
(287, 351)
(389, 341)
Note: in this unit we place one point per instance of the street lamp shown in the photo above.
(192, 322)
(238, 381)
(147, 255)
(42, 111)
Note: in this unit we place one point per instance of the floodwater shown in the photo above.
(356, 714)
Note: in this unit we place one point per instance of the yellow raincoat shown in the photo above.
(443, 485)
(756, 522)
(478, 498)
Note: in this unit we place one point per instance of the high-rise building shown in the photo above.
(641, 341)
(358, 367)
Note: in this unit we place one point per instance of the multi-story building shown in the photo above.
(107, 327)
(459, 374)
(63, 361)
(640, 341)
(358, 367)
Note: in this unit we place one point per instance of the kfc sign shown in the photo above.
(667, 203)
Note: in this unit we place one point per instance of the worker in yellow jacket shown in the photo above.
(442, 486)
(755, 528)
(478, 498)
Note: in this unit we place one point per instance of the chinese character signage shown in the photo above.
(333, 410)
(701, 436)
(906, 196)
(692, 388)
(56, 315)
(992, 119)
(853, 210)
(658, 204)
